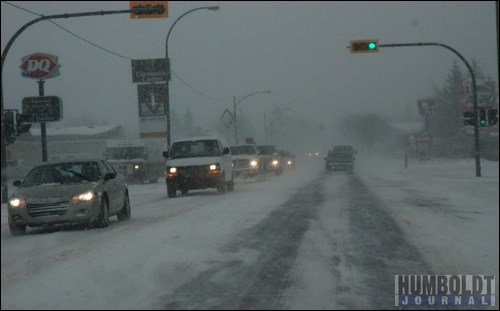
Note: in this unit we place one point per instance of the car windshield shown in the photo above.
(192, 149)
(74, 172)
(239, 150)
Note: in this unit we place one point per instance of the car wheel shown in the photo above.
(171, 190)
(124, 213)
(16, 229)
(102, 220)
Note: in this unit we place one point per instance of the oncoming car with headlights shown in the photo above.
(75, 192)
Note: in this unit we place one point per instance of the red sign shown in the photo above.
(40, 66)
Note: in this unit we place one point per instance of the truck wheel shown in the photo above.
(171, 190)
(230, 184)
(221, 187)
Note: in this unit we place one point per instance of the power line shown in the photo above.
(114, 53)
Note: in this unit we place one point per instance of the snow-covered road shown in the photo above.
(303, 240)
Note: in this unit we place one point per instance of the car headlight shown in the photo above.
(275, 162)
(17, 202)
(254, 163)
(136, 166)
(86, 196)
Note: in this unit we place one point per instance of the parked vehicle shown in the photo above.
(85, 192)
(246, 161)
(198, 163)
(139, 161)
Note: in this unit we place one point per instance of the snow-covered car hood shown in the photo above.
(193, 161)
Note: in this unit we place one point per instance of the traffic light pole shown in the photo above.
(3, 142)
(474, 92)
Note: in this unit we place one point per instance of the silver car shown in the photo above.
(72, 192)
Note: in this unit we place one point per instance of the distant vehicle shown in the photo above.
(84, 192)
(271, 159)
(246, 160)
(344, 148)
(138, 160)
(339, 161)
(288, 159)
(198, 163)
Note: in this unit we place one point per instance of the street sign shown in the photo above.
(40, 66)
(152, 99)
(149, 70)
(42, 108)
(148, 9)
(227, 118)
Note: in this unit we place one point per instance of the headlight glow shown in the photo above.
(172, 172)
(254, 163)
(275, 162)
(136, 166)
(214, 168)
(86, 196)
(16, 202)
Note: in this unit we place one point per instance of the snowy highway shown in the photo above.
(307, 239)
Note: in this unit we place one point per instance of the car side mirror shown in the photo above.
(109, 176)
(165, 154)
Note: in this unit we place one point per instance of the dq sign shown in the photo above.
(40, 66)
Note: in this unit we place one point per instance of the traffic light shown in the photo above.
(8, 117)
(21, 125)
(148, 9)
(469, 118)
(364, 46)
(492, 117)
(482, 117)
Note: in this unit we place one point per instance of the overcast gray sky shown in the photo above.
(295, 49)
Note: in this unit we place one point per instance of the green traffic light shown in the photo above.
(482, 122)
(372, 45)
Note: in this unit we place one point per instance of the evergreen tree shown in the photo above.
(447, 121)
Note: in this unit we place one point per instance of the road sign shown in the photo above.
(42, 108)
(148, 9)
(40, 66)
(149, 70)
(227, 118)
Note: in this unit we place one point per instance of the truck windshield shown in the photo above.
(198, 148)
(237, 150)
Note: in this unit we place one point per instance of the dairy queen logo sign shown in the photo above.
(40, 66)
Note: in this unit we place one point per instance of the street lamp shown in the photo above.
(167, 99)
(234, 110)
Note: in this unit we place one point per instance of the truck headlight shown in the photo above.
(275, 162)
(214, 168)
(172, 171)
(136, 167)
(254, 163)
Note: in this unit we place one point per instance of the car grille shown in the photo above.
(194, 171)
(37, 209)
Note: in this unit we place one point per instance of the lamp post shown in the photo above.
(167, 99)
(234, 110)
